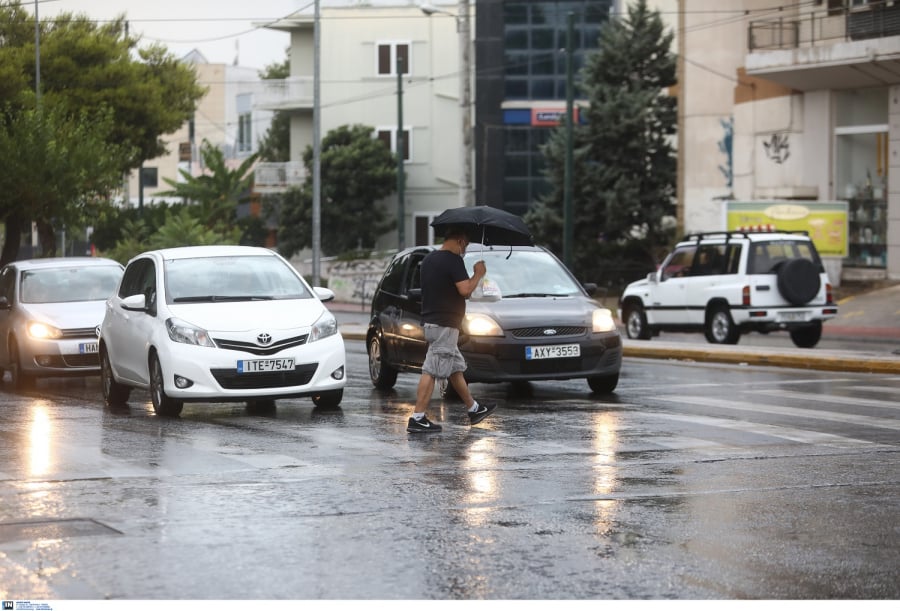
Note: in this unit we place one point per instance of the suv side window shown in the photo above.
(710, 260)
(679, 263)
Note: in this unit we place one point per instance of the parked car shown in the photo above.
(730, 283)
(219, 324)
(533, 321)
(49, 312)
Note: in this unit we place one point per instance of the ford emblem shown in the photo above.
(549, 331)
(264, 339)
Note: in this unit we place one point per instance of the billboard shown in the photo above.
(826, 222)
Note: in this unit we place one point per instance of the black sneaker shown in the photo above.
(422, 426)
(481, 412)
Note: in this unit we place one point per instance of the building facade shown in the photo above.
(797, 106)
(226, 117)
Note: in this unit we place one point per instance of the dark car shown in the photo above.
(532, 321)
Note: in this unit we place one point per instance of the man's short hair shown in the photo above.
(454, 231)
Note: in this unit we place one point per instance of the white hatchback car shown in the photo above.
(49, 312)
(219, 323)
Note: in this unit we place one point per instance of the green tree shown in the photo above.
(56, 168)
(357, 170)
(94, 69)
(217, 192)
(276, 144)
(625, 164)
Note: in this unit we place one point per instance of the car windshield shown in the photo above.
(232, 278)
(522, 274)
(69, 284)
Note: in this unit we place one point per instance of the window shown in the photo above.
(389, 137)
(423, 229)
(389, 53)
(245, 135)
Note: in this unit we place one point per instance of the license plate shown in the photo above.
(558, 351)
(792, 316)
(88, 348)
(261, 365)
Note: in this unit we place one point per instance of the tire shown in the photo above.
(636, 322)
(329, 399)
(383, 376)
(720, 327)
(807, 337)
(603, 384)
(20, 379)
(798, 281)
(114, 394)
(163, 405)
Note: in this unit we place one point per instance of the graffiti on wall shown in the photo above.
(777, 148)
(726, 147)
(355, 281)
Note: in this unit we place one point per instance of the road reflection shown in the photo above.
(39, 447)
(605, 444)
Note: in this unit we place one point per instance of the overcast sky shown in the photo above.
(220, 29)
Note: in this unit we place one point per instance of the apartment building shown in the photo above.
(795, 105)
(226, 116)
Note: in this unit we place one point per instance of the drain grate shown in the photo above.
(28, 530)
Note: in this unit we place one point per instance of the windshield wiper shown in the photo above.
(215, 298)
(536, 295)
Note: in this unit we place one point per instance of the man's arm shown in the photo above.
(467, 286)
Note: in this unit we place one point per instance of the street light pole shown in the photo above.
(401, 178)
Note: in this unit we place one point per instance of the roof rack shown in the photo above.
(737, 234)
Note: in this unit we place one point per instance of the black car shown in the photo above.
(532, 321)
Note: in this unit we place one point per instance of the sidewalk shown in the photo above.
(875, 314)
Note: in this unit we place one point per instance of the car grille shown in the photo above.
(232, 380)
(546, 366)
(539, 331)
(252, 348)
(75, 333)
(73, 360)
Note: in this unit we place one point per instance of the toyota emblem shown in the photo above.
(264, 339)
(549, 331)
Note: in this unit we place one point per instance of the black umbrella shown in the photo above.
(487, 225)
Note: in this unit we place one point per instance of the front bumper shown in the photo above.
(60, 357)
(213, 376)
(502, 359)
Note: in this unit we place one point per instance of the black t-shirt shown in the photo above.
(441, 302)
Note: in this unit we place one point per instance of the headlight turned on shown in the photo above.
(39, 330)
(480, 324)
(603, 321)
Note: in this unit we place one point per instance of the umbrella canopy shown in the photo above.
(487, 225)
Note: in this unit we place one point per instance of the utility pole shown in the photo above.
(568, 222)
(465, 104)
(317, 156)
(37, 56)
(401, 179)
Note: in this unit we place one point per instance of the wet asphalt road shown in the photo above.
(692, 481)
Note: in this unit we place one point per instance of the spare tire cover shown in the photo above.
(798, 281)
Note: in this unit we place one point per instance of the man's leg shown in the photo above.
(424, 392)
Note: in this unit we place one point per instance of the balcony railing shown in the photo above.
(826, 25)
(284, 94)
(278, 177)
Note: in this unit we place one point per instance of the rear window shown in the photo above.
(765, 256)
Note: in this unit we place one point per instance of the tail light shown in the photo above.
(745, 294)
(828, 295)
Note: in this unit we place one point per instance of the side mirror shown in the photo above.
(136, 303)
(4, 303)
(651, 277)
(324, 294)
(590, 288)
(414, 294)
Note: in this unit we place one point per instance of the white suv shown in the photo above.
(730, 283)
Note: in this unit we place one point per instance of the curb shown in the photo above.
(854, 362)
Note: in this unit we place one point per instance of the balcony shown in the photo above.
(828, 48)
(294, 93)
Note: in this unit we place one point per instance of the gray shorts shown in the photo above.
(443, 357)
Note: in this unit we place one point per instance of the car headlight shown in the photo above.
(39, 330)
(186, 333)
(603, 321)
(326, 326)
(480, 324)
